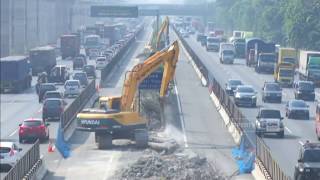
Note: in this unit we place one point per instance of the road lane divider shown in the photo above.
(265, 165)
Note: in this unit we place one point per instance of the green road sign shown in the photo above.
(114, 11)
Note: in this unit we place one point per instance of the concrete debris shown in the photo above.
(153, 166)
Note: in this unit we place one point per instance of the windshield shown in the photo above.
(289, 60)
(311, 155)
(53, 95)
(273, 87)
(298, 104)
(47, 87)
(213, 40)
(52, 103)
(79, 75)
(88, 68)
(72, 83)
(268, 58)
(4, 150)
(32, 123)
(235, 82)
(228, 52)
(306, 86)
(270, 114)
(286, 72)
(245, 90)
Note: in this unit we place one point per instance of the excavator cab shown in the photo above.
(109, 102)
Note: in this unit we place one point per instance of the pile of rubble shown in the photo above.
(165, 160)
(154, 165)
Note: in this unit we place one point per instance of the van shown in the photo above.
(226, 53)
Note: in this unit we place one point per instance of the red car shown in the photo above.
(33, 129)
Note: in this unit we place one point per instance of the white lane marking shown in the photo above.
(13, 133)
(181, 116)
(300, 142)
(288, 130)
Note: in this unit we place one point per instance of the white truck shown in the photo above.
(309, 66)
(213, 43)
(226, 53)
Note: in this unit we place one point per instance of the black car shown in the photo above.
(90, 70)
(59, 74)
(52, 108)
(308, 166)
(82, 77)
(271, 92)
(231, 85)
(79, 62)
(297, 109)
(43, 88)
(304, 90)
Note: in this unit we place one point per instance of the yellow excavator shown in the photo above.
(119, 118)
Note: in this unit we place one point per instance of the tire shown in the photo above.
(104, 141)
(141, 138)
(281, 134)
(20, 140)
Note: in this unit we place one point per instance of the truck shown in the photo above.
(285, 67)
(42, 59)
(70, 45)
(213, 43)
(15, 74)
(92, 42)
(240, 46)
(309, 66)
(226, 53)
(210, 26)
(112, 32)
(250, 49)
(265, 57)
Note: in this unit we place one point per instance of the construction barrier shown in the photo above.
(252, 148)
(25, 164)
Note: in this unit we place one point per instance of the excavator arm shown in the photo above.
(164, 30)
(168, 57)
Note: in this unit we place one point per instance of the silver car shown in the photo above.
(297, 109)
(9, 155)
(245, 95)
(72, 88)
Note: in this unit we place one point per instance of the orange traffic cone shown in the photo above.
(51, 147)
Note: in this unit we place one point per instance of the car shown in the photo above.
(304, 90)
(9, 155)
(52, 108)
(271, 92)
(79, 62)
(231, 85)
(33, 128)
(308, 166)
(101, 62)
(90, 70)
(269, 121)
(82, 77)
(245, 95)
(52, 94)
(199, 36)
(297, 109)
(72, 88)
(44, 87)
(184, 33)
(93, 53)
(59, 74)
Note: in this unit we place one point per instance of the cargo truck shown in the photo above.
(265, 57)
(42, 59)
(226, 53)
(92, 42)
(284, 70)
(213, 43)
(70, 45)
(309, 66)
(240, 47)
(250, 48)
(15, 74)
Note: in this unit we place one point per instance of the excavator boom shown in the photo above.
(168, 57)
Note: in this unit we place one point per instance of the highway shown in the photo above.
(86, 161)
(285, 151)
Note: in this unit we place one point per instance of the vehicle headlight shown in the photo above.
(237, 96)
(299, 92)
(254, 97)
(301, 169)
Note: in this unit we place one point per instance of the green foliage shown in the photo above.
(293, 23)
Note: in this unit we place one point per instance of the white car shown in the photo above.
(101, 62)
(9, 155)
(72, 88)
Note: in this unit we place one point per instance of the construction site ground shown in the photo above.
(198, 129)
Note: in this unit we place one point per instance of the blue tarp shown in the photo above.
(244, 156)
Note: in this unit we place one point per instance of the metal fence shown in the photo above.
(27, 162)
(240, 121)
(69, 114)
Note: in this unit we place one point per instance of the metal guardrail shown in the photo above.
(23, 166)
(68, 115)
(242, 124)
